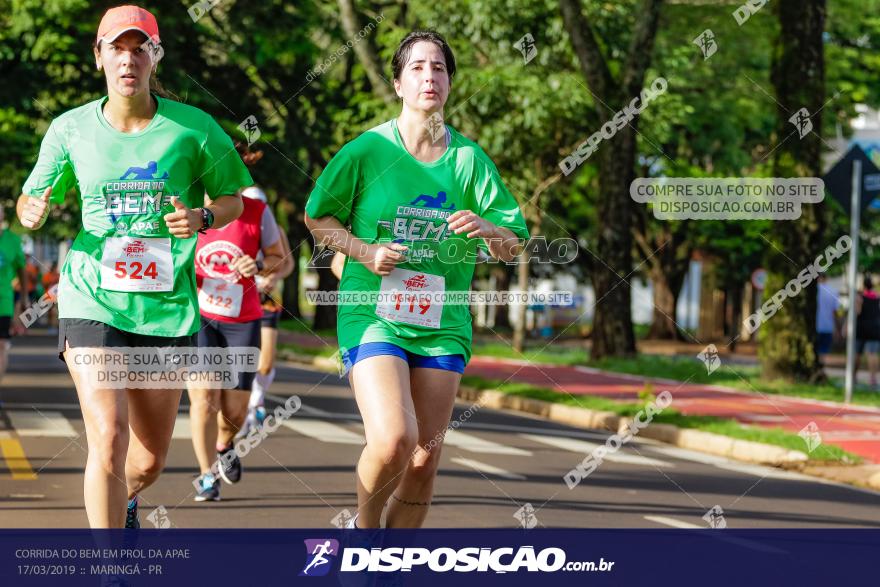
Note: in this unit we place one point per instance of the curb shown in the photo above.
(697, 440)
(708, 442)
(862, 475)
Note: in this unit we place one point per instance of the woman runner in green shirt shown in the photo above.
(419, 198)
(141, 164)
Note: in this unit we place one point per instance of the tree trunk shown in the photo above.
(667, 254)
(519, 330)
(666, 283)
(325, 315)
(786, 340)
(502, 283)
(297, 236)
(533, 217)
(736, 297)
(612, 333)
(365, 50)
(290, 293)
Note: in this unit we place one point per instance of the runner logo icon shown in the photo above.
(148, 172)
(320, 554)
(433, 201)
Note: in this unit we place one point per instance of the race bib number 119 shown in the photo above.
(412, 297)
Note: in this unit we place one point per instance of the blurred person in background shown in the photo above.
(868, 328)
(12, 269)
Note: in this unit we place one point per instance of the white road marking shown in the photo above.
(182, 427)
(323, 431)
(487, 469)
(303, 408)
(473, 443)
(672, 522)
(42, 423)
(585, 448)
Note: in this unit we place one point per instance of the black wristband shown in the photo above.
(260, 265)
(207, 220)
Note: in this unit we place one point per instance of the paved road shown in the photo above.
(493, 465)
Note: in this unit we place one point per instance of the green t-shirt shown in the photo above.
(384, 194)
(11, 262)
(124, 269)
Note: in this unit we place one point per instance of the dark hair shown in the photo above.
(157, 88)
(867, 283)
(249, 157)
(401, 55)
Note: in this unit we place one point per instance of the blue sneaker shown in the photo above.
(209, 488)
(254, 421)
(131, 514)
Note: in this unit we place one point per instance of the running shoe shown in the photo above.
(354, 537)
(229, 465)
(131, 515)
(113, 581)
(254, 421)
(209, 488)
(249, 423)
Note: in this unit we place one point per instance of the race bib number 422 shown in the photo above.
(220, 297)
(137, 264)
(412, 297)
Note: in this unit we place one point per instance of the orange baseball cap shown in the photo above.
(127, 18)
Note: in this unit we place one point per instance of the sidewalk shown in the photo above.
(853, 428)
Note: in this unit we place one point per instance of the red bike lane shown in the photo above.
(853, 428)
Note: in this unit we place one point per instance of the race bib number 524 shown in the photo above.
(137, 264)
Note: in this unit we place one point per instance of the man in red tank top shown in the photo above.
(229, 303)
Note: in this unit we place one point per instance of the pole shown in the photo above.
(855, 218)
